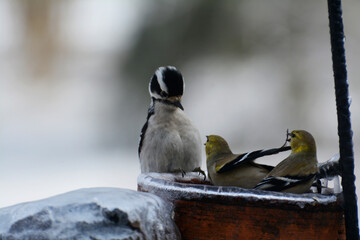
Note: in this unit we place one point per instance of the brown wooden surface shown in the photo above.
(208, 212)
(202, 220)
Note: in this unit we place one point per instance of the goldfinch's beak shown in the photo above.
(207, 139)
(288, 136)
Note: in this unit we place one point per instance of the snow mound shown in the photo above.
(95, 213)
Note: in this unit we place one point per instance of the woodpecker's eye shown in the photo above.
(163, 94)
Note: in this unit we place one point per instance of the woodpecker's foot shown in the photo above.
(200, 171)
(179, 170)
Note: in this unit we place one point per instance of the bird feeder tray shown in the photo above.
(203, 211)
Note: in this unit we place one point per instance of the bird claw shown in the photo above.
(316, 199)
(200, 171)
(183, 173)
(179, 170)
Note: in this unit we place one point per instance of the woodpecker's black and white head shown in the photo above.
(168, 139)
(167, 85)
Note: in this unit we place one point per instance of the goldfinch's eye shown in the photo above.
(292, 135)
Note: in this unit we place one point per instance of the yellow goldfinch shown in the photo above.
(228, 169)
(296, 173)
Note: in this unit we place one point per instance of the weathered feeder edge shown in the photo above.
(166, 186)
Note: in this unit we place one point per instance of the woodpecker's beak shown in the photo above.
(178, 104)
(176, 100)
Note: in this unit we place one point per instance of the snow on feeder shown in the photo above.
(203, 211)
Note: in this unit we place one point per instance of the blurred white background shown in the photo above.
(74, 82)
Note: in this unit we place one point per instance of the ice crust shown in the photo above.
(160, 183)
(95, 213)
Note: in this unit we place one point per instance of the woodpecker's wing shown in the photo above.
(247, 157)
(279, 184)
(151, 112)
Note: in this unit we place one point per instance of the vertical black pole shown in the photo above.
(344, 122)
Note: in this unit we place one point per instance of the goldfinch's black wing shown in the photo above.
(279, 184)
(250, 156)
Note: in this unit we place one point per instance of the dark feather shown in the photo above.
(329, 169)
(151, 112)
(282, 183)
(250, 156)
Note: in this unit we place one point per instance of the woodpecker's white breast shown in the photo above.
(170, 142)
